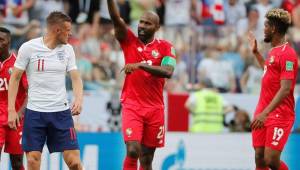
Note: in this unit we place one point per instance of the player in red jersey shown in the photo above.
(274, 115)
(11, 138)
(148, 61)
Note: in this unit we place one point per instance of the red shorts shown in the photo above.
(11, 139)
(272, 136)
(145, 125)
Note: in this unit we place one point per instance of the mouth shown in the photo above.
(141, 32)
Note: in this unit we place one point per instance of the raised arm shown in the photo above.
(253, 44)
(119, 24)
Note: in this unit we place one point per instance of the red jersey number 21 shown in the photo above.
(41, 64)
(3, 84)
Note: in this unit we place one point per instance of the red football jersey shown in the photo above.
(281, 64)
(5, 71)
(141, 87)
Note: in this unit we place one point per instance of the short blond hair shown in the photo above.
(57, 17)
(279, 18)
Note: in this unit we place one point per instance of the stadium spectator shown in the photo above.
(290, 5)
(137, 8)
(42, 8)
(251, 79)
(250, 23)
(234, 11)
(15, 17)
(240, 122)
(177, 20)
(228, 49)
(262, 7)
(207, 107)
(100, 79)
(220, 72)
(179, 80)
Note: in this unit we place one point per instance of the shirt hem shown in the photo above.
(48, 110)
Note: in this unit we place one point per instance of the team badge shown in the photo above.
(272, 59)
(61, 55)
(128, 132)
(155, 53)
(10, 70)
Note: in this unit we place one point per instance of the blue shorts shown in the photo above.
(55, 128)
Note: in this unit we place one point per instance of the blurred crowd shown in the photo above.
(210, 37)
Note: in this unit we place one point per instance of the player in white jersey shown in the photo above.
(48, 117)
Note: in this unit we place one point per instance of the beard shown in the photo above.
(267, 39)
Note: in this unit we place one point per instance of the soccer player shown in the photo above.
(148, 61)
(11, 138)
(274, 116)
(48, 116)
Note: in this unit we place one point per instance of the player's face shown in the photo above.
(268, 32)
(64, 32)
(4, 42)
(146, 28)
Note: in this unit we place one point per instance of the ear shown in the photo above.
(273, 28)
(157, 27)
(56, 29)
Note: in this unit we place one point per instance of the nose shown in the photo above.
(141, 25)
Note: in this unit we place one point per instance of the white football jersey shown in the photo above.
(46, 73)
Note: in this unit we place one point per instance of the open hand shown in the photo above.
(258, 121)
(252, 42)
(129, 68)
(76, 107)
(13, 119)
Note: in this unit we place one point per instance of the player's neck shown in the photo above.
(278, 41)
(147, 41)
(50, 41)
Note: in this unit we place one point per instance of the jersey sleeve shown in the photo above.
(71, 64)
(23, 57)
(288, 66)
(169, 55)
(129, 38)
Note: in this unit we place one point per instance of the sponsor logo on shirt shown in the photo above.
(40, 56)
(272, 59)
(128, 132)
(289, 65)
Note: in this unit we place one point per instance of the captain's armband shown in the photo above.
(168, 61)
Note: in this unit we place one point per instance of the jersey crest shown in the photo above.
(61, 55)
(10, 70)
(155, 53)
